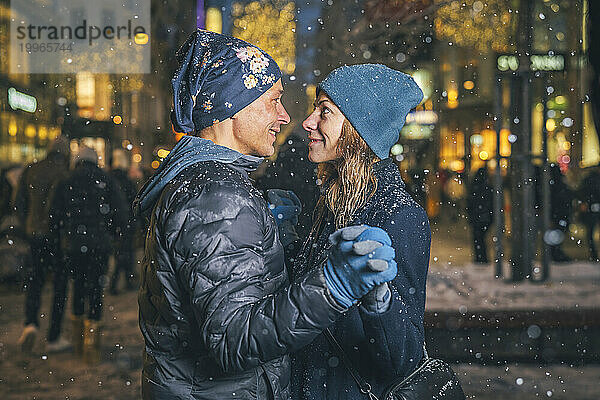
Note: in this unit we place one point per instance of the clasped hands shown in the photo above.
(360, 260)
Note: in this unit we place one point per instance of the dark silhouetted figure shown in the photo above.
(480, 204)
(15, 252)
(124, 248)
(9, 182)
(560, 204)
(37, 183)
(87, 212)
(589, 193)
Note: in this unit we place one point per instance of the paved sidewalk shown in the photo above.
(471, 287)
(458, 289)
(50, 377)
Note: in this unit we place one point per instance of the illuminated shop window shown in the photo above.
(86, 94)
(483, 147)
(591, 147)
(452, 149)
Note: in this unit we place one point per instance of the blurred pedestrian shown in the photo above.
(87, 211)
(15, 252)
(480, 204)
(561, 198)
(454, 190)
(589, 194)
(36, 186)
(124, 247)
(9, 183)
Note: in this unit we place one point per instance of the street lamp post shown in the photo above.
(522, 183)
(498, 190)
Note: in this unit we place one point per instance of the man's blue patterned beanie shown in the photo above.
(218, 75)
(375, 99)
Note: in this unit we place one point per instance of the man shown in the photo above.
(32, 204)
(217, 312)
(124, 252)
(87, 211)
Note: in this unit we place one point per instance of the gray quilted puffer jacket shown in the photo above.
(217, 311)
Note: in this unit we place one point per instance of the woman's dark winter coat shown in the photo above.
(382, 346)
(217, 312)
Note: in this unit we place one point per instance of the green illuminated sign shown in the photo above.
(537, 62)
(21, 101)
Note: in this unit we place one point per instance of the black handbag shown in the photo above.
(432, 379)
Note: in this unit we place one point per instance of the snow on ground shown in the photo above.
(453, 285)
(571, 286)
(61, 376)
(530, 381)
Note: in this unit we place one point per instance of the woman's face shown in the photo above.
(324, 127)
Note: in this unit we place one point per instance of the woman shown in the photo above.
(359, 111)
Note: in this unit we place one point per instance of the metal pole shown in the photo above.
(518, 237)
(531, 233)
(528, 231)
(498, 192)
(546, 204)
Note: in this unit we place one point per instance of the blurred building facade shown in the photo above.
(103, 111)
(456, 50)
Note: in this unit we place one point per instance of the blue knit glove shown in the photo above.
(349, 272)
(285, 207)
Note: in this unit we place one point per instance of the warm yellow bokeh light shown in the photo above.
(12, 127)
(117, 119)
(452, 98)
(137, 158)
(54, 133)
(42, 132)
(30, 131)
(214, 20)
(162, 153)
(141, 38)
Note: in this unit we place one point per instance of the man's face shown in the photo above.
(255, 126)
(324, 127)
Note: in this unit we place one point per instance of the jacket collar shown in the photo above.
(189, 151)
(386, 172)
(382, 164)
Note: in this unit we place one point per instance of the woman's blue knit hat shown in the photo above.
(218, 75)
(375, 99)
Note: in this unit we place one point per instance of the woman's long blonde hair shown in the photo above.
(349, 181)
